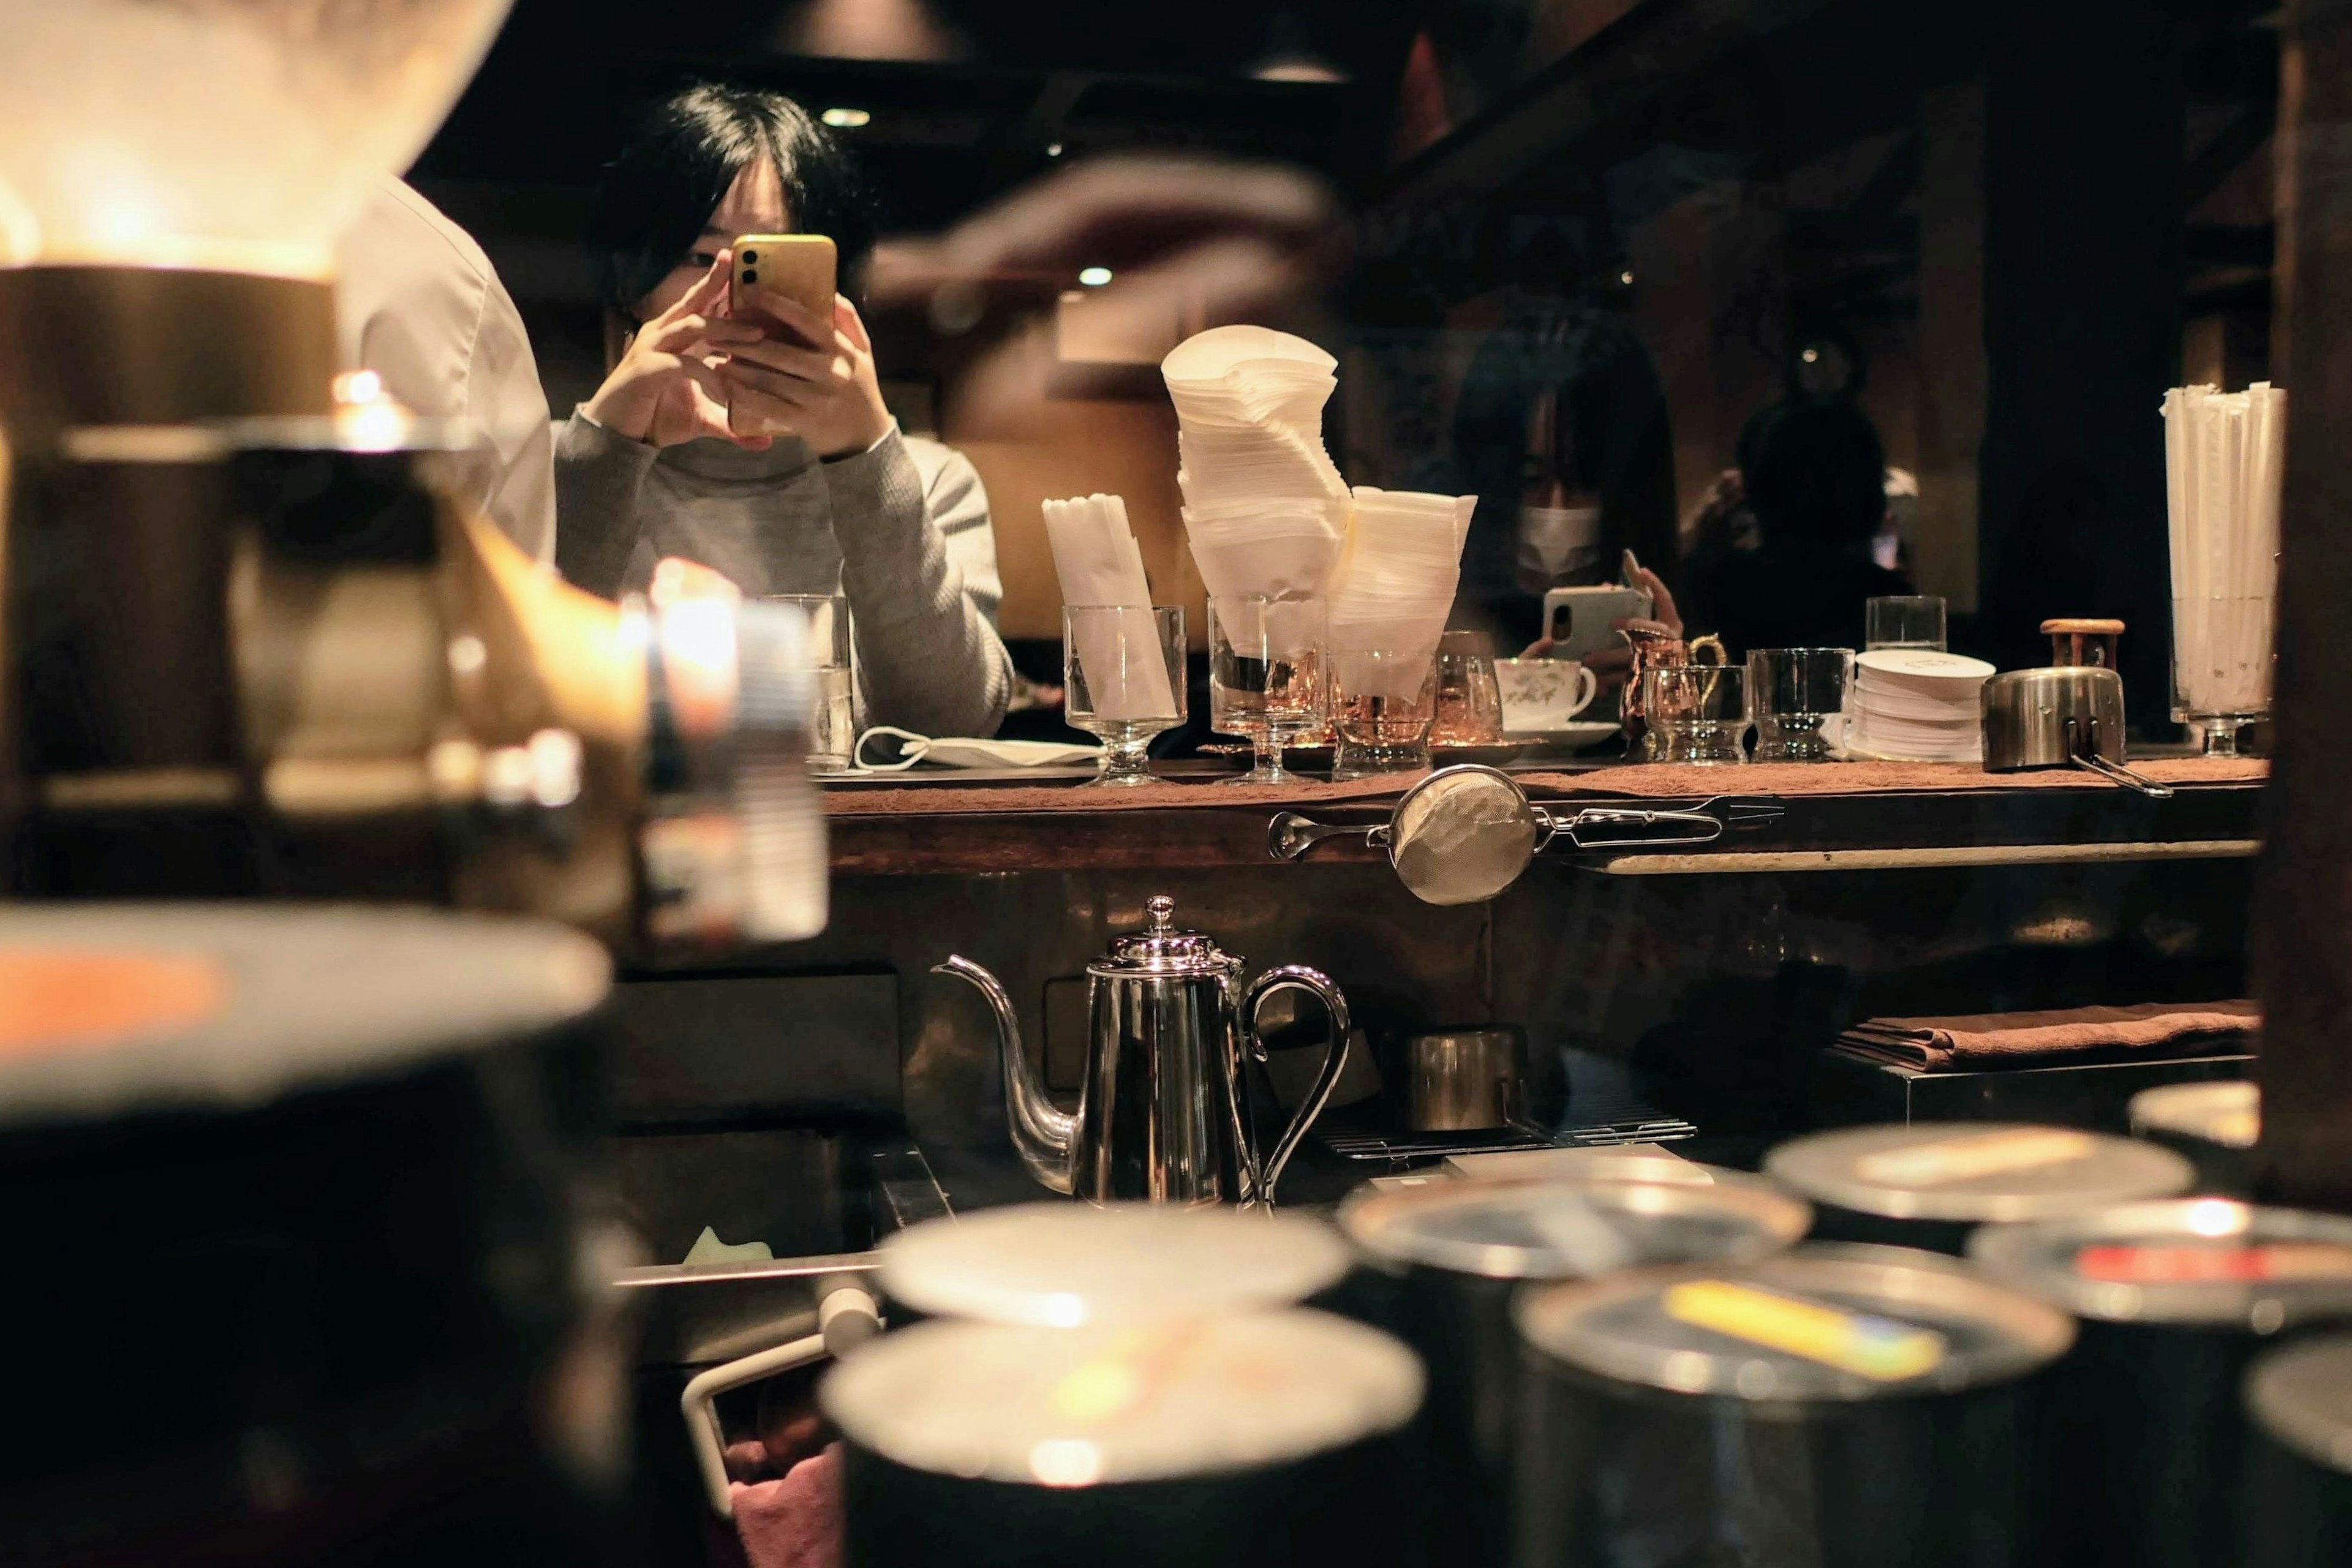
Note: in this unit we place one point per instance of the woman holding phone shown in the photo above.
(837, 499)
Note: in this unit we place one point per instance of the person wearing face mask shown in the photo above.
(843, 502)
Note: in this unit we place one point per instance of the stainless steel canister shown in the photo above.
(1930, 1184)
(2213, 1125)
(1465, 1080)
(2298, 1401)
(1245, 1439)
(1451, 1253)
(1839, 1406)
(2175, 1299)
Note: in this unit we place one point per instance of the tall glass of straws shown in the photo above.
(2224, 459)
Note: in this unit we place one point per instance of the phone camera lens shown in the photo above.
(750, 255)
(750, 277)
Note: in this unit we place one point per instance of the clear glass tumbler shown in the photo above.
(1797, 692)
(1468, 699)
(833, 727)
(1697, 712)
(1904, 620)
(1382, 706)
(1266, 674)
(2222, 668)
(1123, 679)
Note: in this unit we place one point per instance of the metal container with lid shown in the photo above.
(2175, 1299)
(291, 1196)
(1164, 1110)
(1928, 1184)
(1236, 1438)
(1066, 1265)
(1837, 1406)
(2214, 1125)
(1453, 1252)
(2298, 1408)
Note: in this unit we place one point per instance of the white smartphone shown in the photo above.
(1580, 621)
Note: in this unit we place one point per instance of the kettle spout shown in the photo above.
(1043, 1136)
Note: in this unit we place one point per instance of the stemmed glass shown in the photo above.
(1123, 679)
(1266, 674)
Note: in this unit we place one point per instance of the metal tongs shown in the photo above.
(1712, 818)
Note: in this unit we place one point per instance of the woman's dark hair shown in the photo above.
(1813, 470)
(677, 159)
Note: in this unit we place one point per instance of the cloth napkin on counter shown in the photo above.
(1098, 560)
(1265, 507)
(794, 1522)
(2017, 1039)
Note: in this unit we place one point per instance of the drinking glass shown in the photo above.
(1904, 620)
(833, 726)
(2222, 668)
(1468, 700)
(1797, 691)
(1382, 706)
(1123, 679)
(1697, 712)
(1266, 674)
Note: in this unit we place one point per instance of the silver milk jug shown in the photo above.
(1164, 1109)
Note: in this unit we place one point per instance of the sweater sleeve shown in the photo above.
(919, 566)
(598, 480)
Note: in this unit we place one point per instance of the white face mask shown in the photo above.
(962, 751)
(1557, 539)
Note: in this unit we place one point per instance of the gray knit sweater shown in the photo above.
(901, 530)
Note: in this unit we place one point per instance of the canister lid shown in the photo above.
(107, 1010)
(1061, 1265)
(1160, 949)
(1074, 1407)
(2301, 1396)
(2201, 1261)
(2229, 1113)
(1622, 1214)
(1974, 1172)
(1819, 1323)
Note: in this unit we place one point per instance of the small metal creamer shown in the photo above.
(1164, 1108)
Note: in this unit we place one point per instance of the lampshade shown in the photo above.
(231, 135)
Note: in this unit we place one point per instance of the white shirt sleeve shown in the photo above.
(418, 302)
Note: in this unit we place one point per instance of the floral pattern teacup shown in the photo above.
(1542, 695)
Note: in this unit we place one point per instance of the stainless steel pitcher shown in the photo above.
(1164, 1109)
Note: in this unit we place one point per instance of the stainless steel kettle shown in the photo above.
(1165, 1111)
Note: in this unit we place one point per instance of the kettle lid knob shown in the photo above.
(1162, 908)
(1159, 948)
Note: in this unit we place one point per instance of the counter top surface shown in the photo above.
(1848, 810)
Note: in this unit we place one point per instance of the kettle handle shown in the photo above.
(1260, 1177)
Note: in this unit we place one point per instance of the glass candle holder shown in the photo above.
(1799, 693)
(1123, 679)
(1697, 712)
(1266, 678)
(1383, 703)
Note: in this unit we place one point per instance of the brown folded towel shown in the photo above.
(2015, 1039)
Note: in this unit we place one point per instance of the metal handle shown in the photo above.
(1608, 817)
(1290, 835)
(847, 1317)
(2117, 772)
(1262, 1179)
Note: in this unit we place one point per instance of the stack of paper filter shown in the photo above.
(1099, 563)
(1264, 507)
(1394, 584)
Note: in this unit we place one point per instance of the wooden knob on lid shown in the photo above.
(2074, 641)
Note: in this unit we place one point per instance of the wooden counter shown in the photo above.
(1849, 816)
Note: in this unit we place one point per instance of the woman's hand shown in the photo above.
(829, 396)
(667, 387)
(1610, 666)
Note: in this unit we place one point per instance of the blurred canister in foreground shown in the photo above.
(2214, 1125)
(2175, 1299)
(2298, 1405)
(1066, 1266)
(1455, 1252)
(1930, 1184)
(1838, 1407)
(1238, 1440)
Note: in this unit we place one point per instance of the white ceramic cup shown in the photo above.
(1541, 695)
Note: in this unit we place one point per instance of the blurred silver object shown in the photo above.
(2066, 716)
(1464, 1081)
(1164, 1110)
